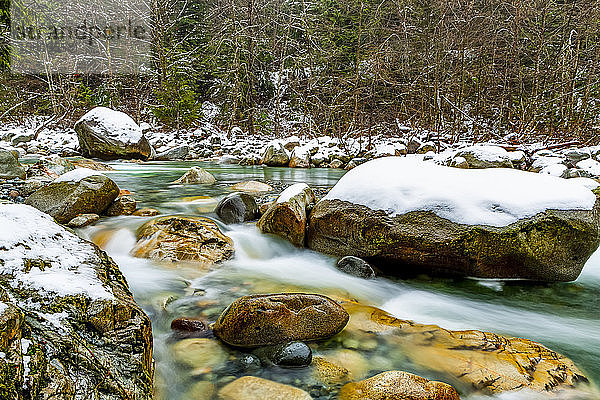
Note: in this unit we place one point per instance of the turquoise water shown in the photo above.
(562, 316)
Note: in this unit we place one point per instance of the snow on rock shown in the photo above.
(544, 161)
(291, 191)
(64, 261)
(559, 170)
(486, 156)
(117, 124)
(590, 166)
(77, 175)
(494, 197)
(586, 182)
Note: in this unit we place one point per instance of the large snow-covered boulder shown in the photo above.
(409, 216)
(81, 191)
(69, 327)
(108, 134)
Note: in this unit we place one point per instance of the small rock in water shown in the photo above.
(356, 266)
(123, 205)
(196, 175)
(236, 208)
(292, 354)
(188, 324)
(83, 220)
(146, 212)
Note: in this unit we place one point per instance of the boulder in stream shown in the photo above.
(262, 320)
(81, 191)
(236, 208)
(69, 327)
(179, 238)
(196, 176)
(108, 134)
(275, 155)
(409, 217)
(287, 217)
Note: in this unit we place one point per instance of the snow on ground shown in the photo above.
(77, 175)
(26, 233)
(495, 197)
(291, 191)
(115, 124)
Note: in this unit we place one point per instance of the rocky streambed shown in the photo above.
(434, 337)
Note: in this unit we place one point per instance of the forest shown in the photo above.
(474, 69)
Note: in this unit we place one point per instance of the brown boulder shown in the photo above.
(287, 217)
(262, 320)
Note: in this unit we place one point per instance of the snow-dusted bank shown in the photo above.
(68, 323)
(410, 216)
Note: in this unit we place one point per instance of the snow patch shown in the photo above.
(494, 197)
(291, 191)
(68, 261)
(77, 175)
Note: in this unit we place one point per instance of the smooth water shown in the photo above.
(563, 316)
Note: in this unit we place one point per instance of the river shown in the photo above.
(563, 316)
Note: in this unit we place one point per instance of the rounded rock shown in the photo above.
(262, 320)
(356, 266)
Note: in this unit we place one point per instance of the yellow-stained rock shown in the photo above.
(328, 372)
(486, 361)
(354, 362)
(253, 388)
(398, 385)
(176, 238)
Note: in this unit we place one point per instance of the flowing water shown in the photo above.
(562, 316)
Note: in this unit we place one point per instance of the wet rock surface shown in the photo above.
(179, 238)
(261, 320)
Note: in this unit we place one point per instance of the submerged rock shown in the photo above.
(444, 220)
(356, 266)
(177, 238)
(398, 385)
(195, 176)
(287, 217)
(262, 320)
(252, 187)
(188, 324)
(69, 326)
(201, 354)
(254, 388)
(236, 208)
(81, 191)
(481, 360)
(108, 134)
(10, 168)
